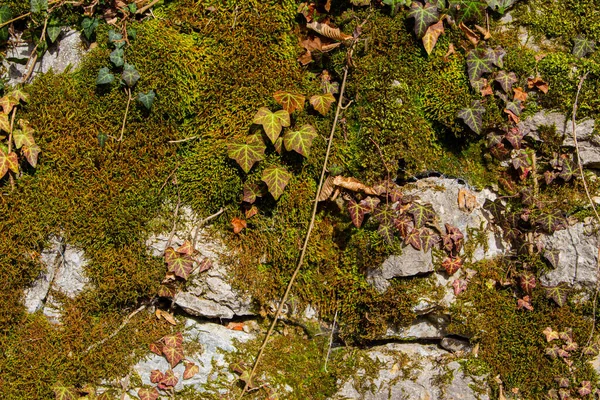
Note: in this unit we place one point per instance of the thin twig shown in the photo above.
(35, 54)
(330, 339)
(146, 7)
(306, 239)
(126, 112)
(183, 140)
(116, 332)
(168, 177)
(15, 19)
(203, 222)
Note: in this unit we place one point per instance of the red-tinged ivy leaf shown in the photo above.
(592, 350)
(514, 107)
(4, 123)
(173, 340)
(455, 233)
(552, 256)
(583, 46)
(549, 177)
(429, 239)
(404, 224)
(205, 265)
(569, 170)
(506, 80)
(550, 334)
(64, 392)
(479, 62)
(424, 16)
(301, 140)
(251, 212)
(191, 369)
(500, 152)
(570, 346)
(186, 248)
(156, 376)
(251, 192)
(521, 160)
(31, 153)
(480, 85)
(169, 380)
(370, 203)
(170, 255)
(431, 36)
(552, 221)
(558, 294)
(585, 389)
(279, 145)
(495, 208)
(173, 354)
(276, 178)
(421, 213)
(473, 116)
(563, 353)
(19, 95)
(357, 212)
(566, 335)
(238, 225)
(452, 264)
(459, 286)
(552, 352)
(23, 137)
(167, 291)
(181, 265)
(7, 103)
(564, 394)
(414, 239)
(8, 162)
(386, 230)
(272, 122)
(527, 196)
(386, 187)
(156, 348)
(289, 101)
(322, 102)
(524, 303)
(247, 154)
(527, 282)
(447, 244)
(562, 381)
(494, 139)
(514, 137)
(148, 393)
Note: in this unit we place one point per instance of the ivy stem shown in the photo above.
(126, 112)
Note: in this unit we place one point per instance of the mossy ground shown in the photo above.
(212, 64)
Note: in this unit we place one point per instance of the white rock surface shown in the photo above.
(428, 327)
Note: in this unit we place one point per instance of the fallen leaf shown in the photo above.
(155, 348)
(328, 31)
(327, 189)
(512, 116)
(238, 225)
(451, 50)
(251, 212)
(538, 83)
(472, 36)
(524, 303)
(352, 184)
(484, 31)
(166, 315)
(467, 201)
(431, 36)
(235, 326)
(487, 89)
(191, 369)
(520, 94)
(459, 286)
(305, 58)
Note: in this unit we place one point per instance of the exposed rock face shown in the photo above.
(64, 273)
(67, 51)
(411, 262)
(577, 260)
(428, 327)
(428, 375)
(589, 145)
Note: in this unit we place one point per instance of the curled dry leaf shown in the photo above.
(537, 83)
(238, 225)
(166, 315)
(191, 369)
(251, 212)
(328, 31)
(472, 36)
(353, 184)
(467, 201)
(431, 36)
(327, 189)
(520, 94)
(451, 50)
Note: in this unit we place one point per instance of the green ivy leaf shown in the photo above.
(421, 213)
(473, 116)
(130, 75)
(322, 102)
(272, 122)
(5, 16)
(558, 293)
(89, 26)
(514, 107)
(31, 154)
(23, 136)
(116, 57)
(147, 99)
(54, 29)
(276, 178)
(468, 9)
(385, 215)
(104, 76)
(289, 101)
(64, 392)
(424, 16)
(37, 6)
(583, 46)
(552, 221)
(506, 80)
(131, 33)
(479, 62)
(8, 161)
(114, 36)
(301, 140)
(19, 95)
(357, 212)
(247, 154)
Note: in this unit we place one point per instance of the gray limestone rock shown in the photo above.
(426, 327)
(419, 377)
(411, 262)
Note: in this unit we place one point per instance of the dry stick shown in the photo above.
(15, 19)
(126, 112)
(330, 339)
(306, 239)
(183, 140)
(116, 332)
(35, 56)
(175, 215)
(143, 9)
(587, 192)
(203, 222)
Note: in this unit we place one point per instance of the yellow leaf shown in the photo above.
(431, 36)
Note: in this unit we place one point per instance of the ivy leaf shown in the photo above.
(168, 380)
(370, 203)
(5, 16)
(585, 389)
(452, 264)
(468, 9)
(429, 239)
(89, 26)
(301, 140)
(155, 348)
(404, 224)
(37, 6)
(414, 239)
(569, 169)
(186, 248)
(583, 46)
(148, 393)
(31, 154)
(156, 376)
(479, 62)
(495, 208)
(64, 392)
(514, 137)
(386, 230)
(53, 30)
(114, 37)
(562, 381)
(550, 334)
(473, 116)
(558, 294)
(173, 340)
(251, 191)
(191, 369)
(180, 264)
(247, 154)
(19, 95)
(147, 99)
(7, 103)
(8, 161)
(4, 123)
(421, 213)
(431, 36)
(514, 107)
(552, 256)
(552, 221)
(506, 80)
(322, 102)
(527, 282)
(272, 122)
(289, 101)
(424, 16)
(173, 354)
(167, 291)
(459, 285)
(104, 76)
(116, 57)
(357, 212)
(524, 303)
(276, 178)
(23, 137)
(521, 160)
(386, 217)
(130, 75)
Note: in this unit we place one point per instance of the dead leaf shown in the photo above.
(431, 36)
(472, 36)
(235, 326)
(486, 33)
(486, 90)
(538, 83)
(328, 5)
(327, 189)
(538, 57)
(238, 225)
(451, 50)
(191, 369)
(166, 315)
(305, 58)
(316, 43)
(512, 116)
(520, 94)
(467, 201)
(353, 184)
(251, 212)
(169, 277)
(328, 31)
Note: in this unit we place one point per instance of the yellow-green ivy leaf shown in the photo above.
(289, 101)
(276, 178)
(272, 122)
(431, 36)
(247, 154)
(8, 161)
(31, 154)
(322, 102)
(301, 140)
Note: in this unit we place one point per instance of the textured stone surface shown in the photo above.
(419, 379)
(411, 262)
(577, 260)
(67, 51)
(427, 327)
